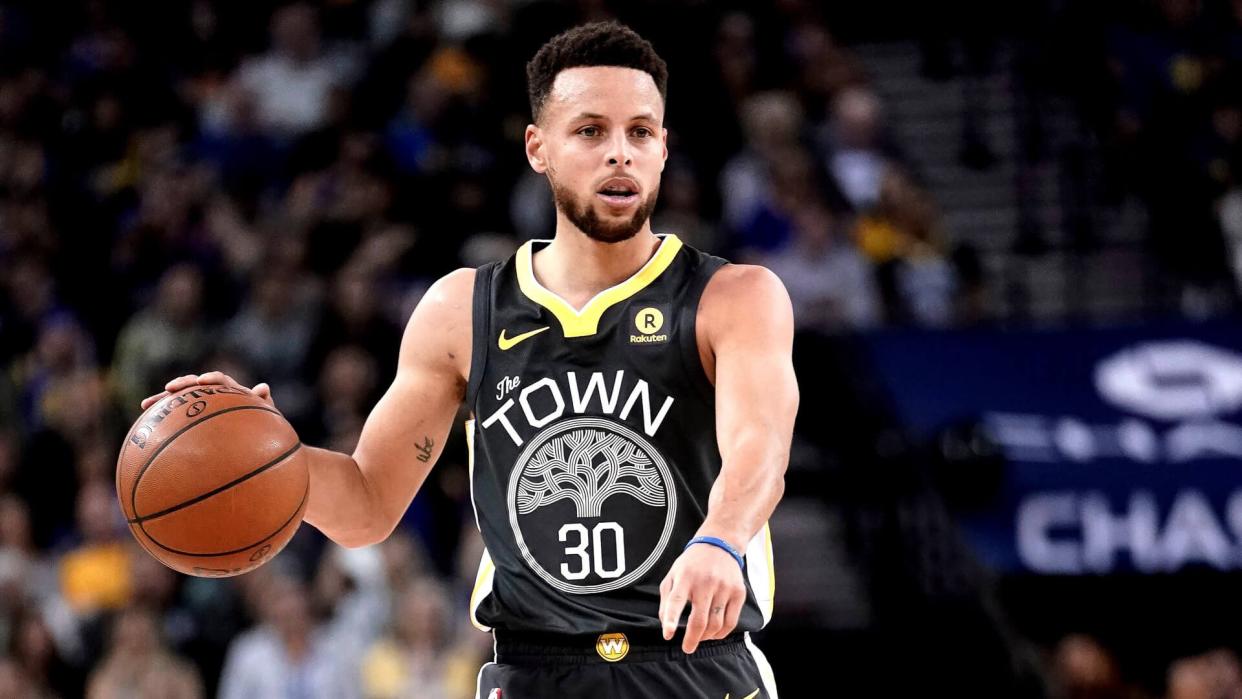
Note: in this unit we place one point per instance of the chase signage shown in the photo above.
(1123, 447)
(1172, 380)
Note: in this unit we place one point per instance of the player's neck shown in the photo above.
(576, 267)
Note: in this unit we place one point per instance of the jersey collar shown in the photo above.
(585, 322)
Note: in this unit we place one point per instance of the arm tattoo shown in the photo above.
(424, 450)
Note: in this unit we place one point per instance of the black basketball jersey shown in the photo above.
(592, 447)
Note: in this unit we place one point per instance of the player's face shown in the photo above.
(602, 144)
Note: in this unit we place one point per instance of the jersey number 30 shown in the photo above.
(584, 542)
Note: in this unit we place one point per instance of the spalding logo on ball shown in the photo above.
(213, 481)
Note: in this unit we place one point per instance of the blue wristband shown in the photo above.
(719, 543)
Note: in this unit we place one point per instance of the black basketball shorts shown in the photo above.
(614, 666)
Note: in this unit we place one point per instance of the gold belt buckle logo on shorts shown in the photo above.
(612, 646)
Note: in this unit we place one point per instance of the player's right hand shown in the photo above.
(211, 378)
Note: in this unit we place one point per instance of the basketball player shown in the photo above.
(632, 405)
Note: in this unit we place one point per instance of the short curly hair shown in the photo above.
(595, 44)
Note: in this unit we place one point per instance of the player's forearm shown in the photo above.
(750, 484)
(342, 503)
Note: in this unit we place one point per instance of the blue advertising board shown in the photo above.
(1123, 446)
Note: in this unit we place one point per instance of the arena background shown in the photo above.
(1012, 233)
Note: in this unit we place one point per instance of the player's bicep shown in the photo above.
(752, 341)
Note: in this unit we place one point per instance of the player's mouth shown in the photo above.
(619, 192)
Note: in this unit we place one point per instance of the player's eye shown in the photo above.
(589, 131)
(643, 132)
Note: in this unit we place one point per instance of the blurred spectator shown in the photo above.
(825, 68)
(246, 158)
(1082, 668)
(902, 239)
(168, 338)
(681, 207)
(736, 55)
(26, 577)
(345, 205)
(772, 123)
(95, 575)
(411, 136)
(829, 282)
(29, 298)
(157, 587)
(23, 174)
(15, 684)
(166, 226)
(139, 665)
(62, 356)
(65, 409)
(404, 558)
(271, 334)
(80, 409)
(347, 390)
(1212, 675)
(288, 654)
(354, 316)
(241, 243)
(791, 182)
(418, 657)
(351, 592)
(42, 666)
(291, 83)
(853, 148)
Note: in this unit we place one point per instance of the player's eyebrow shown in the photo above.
(644, 116)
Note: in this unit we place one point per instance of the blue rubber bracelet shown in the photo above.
(719, 543)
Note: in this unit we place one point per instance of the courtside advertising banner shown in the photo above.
(1123, 447)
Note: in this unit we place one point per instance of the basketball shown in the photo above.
(212, 481)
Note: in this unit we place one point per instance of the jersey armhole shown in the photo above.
(480, 326)
(689, 335)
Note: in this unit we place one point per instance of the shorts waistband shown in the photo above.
(527, 647)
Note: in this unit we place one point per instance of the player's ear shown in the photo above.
(534, 149)
(664, 143)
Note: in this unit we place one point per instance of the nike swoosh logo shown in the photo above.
(506, 343)
(752, 695)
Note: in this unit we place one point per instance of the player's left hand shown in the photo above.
(710, 580)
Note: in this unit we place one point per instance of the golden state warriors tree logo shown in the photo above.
(584, 502)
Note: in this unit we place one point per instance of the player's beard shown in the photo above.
(582, 214)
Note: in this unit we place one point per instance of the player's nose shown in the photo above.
(619, 150)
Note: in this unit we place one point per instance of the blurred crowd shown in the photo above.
(1158, 86)
(267, 188)
(1085, 668)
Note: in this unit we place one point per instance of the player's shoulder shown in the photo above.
(451, 294)
(453, 286)
(744, 301)
(440, 327)
(744, 286)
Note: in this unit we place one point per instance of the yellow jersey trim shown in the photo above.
(767, 529)
(585, 322)
(482, 588)
(487, 569)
